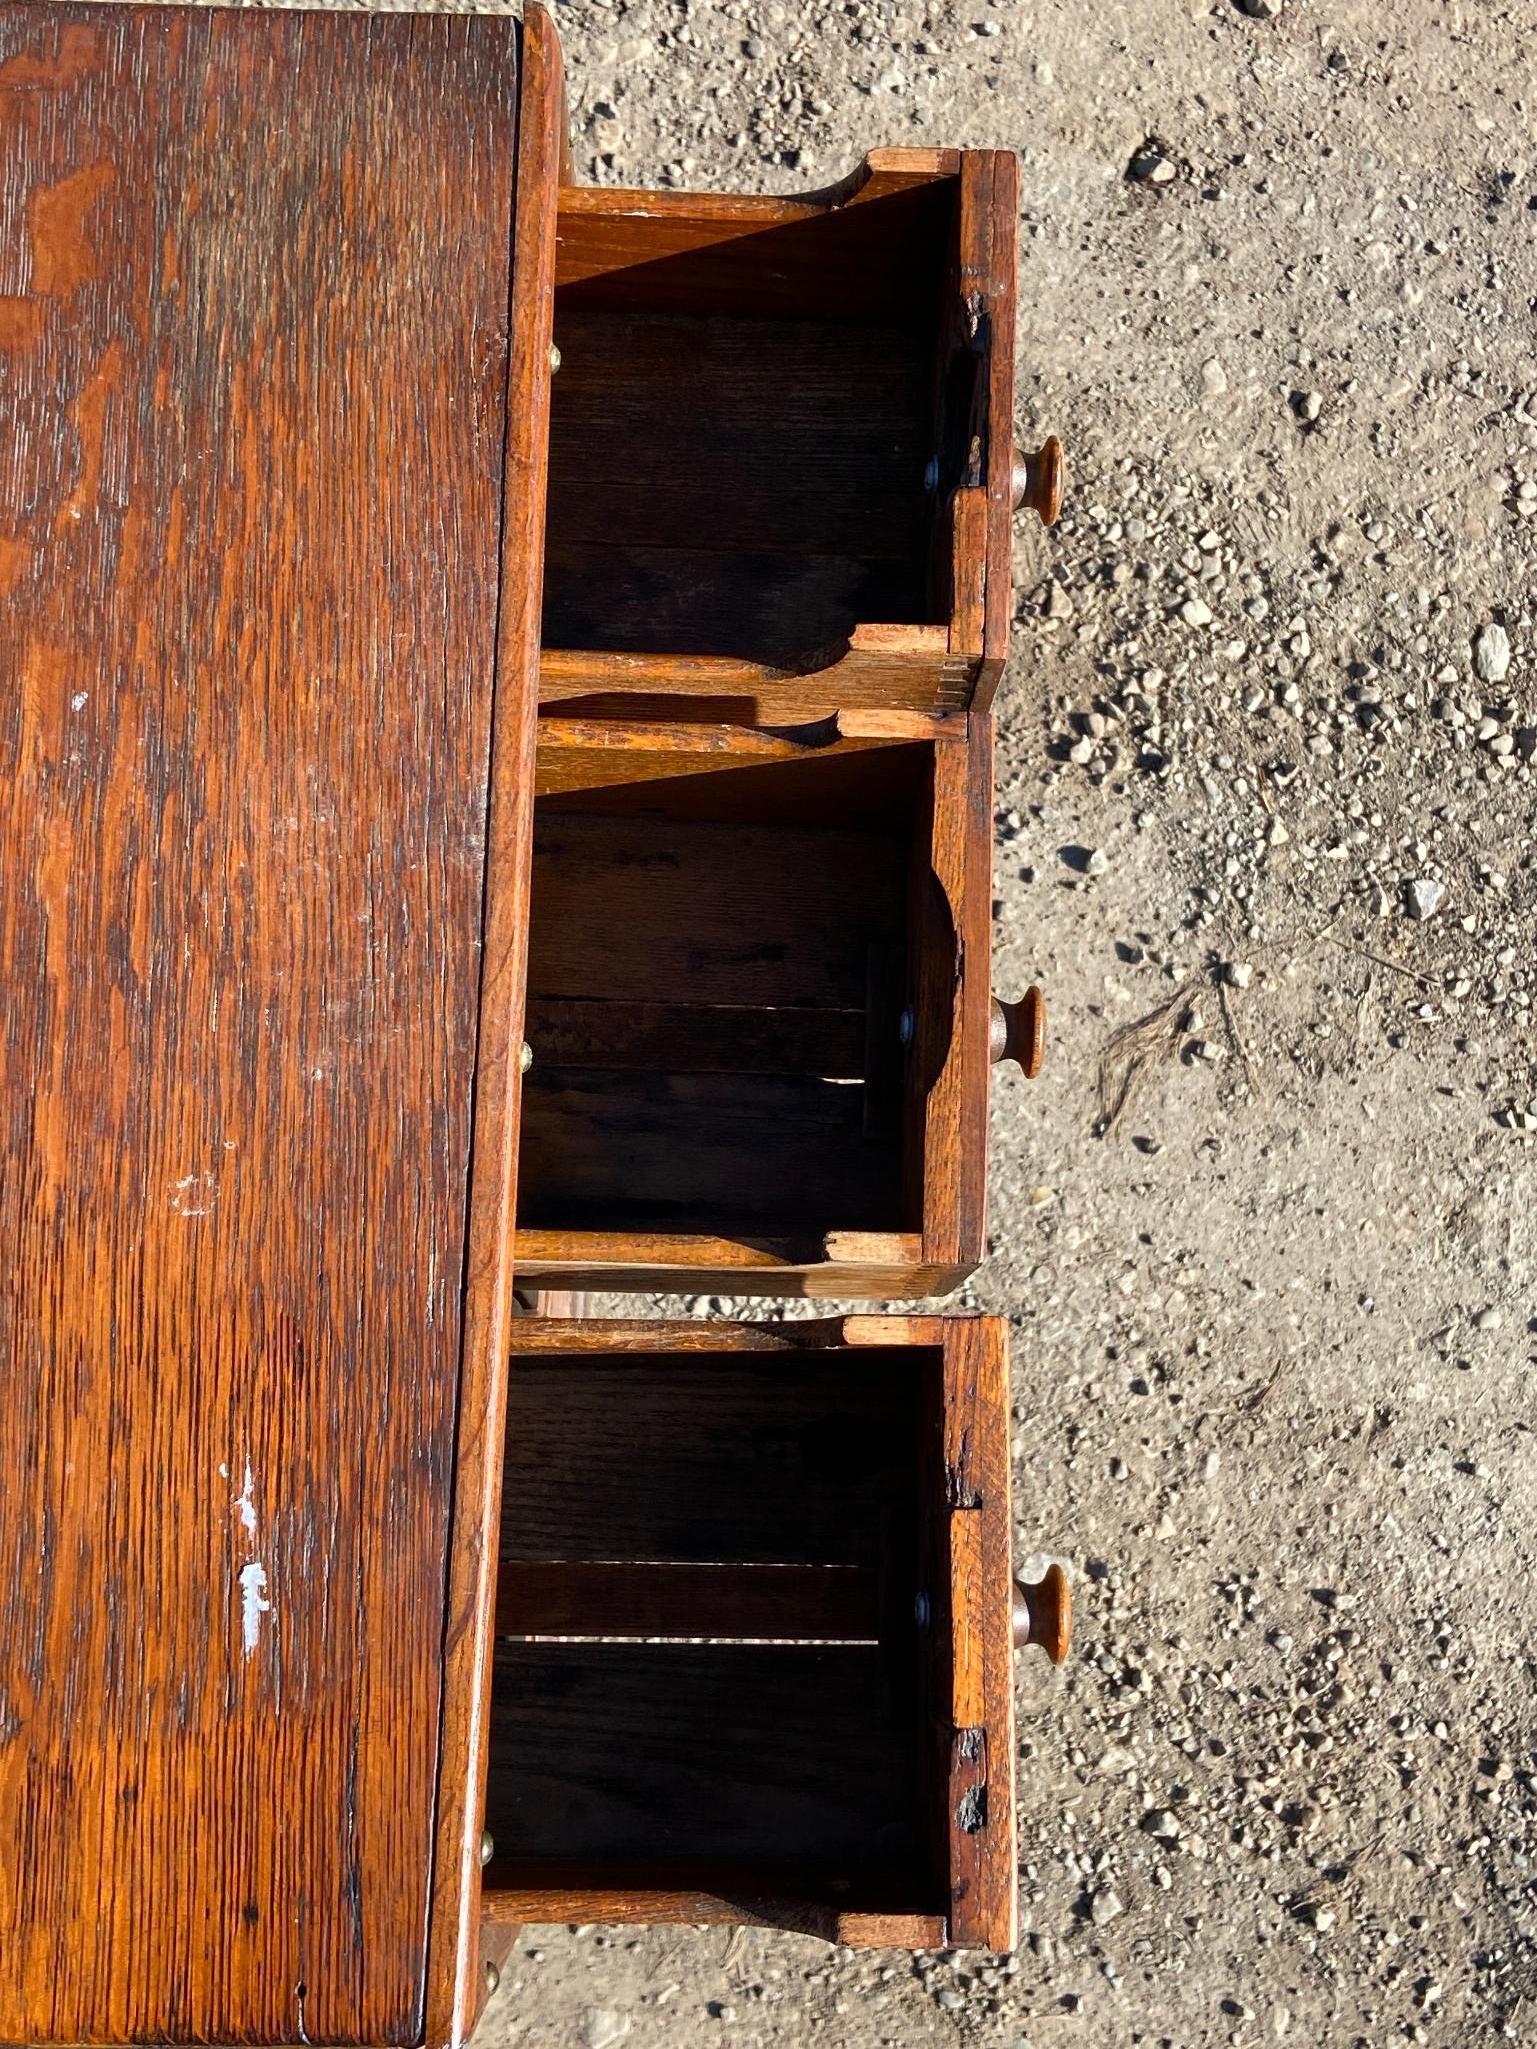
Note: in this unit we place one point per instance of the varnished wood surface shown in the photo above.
(984, 1887)
(649, 1901)
(254, 275)
(457, 1984)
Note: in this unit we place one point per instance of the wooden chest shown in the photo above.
(401, 907)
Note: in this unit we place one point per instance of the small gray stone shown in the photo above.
(1423, 897)
(1259, 10)
(1491, 653)
(1152, 165)
(1104, 1907)
(1195, 612)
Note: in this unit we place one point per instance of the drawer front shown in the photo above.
(758, 1015)
(755, 1630)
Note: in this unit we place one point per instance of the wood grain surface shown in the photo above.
(252, 422)
(984, 1882)
(459, 1949)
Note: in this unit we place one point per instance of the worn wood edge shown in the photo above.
(881, 173)
(1000, 289)
(645, 1336)
(626, 1907)
(605, 753)
(616, 1908)
(984, 1904)
(983, 520)
(883, 667)
(455, 1982)
(546, 1255)
(955, 1117)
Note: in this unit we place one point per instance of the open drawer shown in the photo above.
(755, 1624)
(759, 1014)
(782, 474)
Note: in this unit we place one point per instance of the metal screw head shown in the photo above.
(921, 1610)
(493, 1977)
(487, 1847)
(905, 1028)
(525, 1058)
(554, 359)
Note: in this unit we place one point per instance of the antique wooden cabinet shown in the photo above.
(397, 912)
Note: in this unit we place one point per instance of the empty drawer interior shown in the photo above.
(752, 426)
(709, 1673)
(718, 999)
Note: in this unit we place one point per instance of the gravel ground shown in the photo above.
(1266, 1229)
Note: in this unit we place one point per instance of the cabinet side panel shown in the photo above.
(253, 307)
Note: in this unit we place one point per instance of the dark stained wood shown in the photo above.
(756, 1154)
(860, 252)
(457, 1979)
(654, 909)
(254, 384)
(787, 1459)
(718, 968)
(764, 519)
(732, 1603)
(696, 1038)
(778, 1756)
(862, 1462)
(844, 466)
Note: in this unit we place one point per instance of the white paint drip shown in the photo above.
(245, 1502)
(254, 1603)
(193, 1196)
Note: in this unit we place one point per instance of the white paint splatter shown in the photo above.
(245, 1501)
(254, 1603)
(193, 1196)
(80, 700)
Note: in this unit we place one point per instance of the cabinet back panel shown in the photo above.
(802, 1757)
(711, 1459)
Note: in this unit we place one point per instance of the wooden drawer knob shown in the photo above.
(1018, 1032)
(1043, 1614)
(1040, 479)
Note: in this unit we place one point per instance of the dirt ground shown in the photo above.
(1266, 794)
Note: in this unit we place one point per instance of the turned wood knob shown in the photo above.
(1043, 1614)
(1019, 1032)
(1040, 479)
